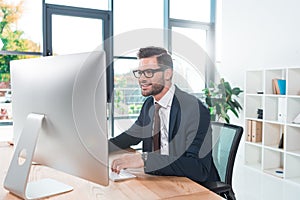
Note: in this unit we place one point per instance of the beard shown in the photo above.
(154, 89)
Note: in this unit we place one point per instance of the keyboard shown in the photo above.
(123, 175)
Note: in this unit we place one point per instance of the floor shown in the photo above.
(251, 184)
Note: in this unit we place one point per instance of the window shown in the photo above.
(197, 35)
(127, 95)
(94, 4)
(195, 10)
(191, 18)
(131, 15)
(20, 38)
(194, 19)
(67, 39)
(187, 76)
(29, 21)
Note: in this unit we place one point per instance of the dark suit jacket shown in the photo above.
(190, 140)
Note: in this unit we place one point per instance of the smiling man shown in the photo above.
(174, 126)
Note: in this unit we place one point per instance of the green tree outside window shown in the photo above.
(12, 39)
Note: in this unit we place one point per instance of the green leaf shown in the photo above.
(234, 112)
(208, 101)
(227, 88)
(218, 109)
(237, 104)
(219, 97)
(236, 91)
(206, 91)
(225, 116)
(227, 119)
(231, 104)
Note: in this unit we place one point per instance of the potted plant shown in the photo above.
(220, 98)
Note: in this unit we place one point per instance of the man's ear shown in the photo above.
(168, 74)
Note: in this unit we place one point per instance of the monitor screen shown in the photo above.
(70, 92)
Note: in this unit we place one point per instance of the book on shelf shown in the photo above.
(256, 130)
(279, 86)
(281, 111)
(249, 131)
(280, 145)
(275, 86)
(282, 86)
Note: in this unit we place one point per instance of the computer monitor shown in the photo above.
(59, 107)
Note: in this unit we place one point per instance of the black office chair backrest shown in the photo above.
(226, 139)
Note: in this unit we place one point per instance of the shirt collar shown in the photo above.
(166, 100)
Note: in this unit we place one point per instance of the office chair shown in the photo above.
(226, 139)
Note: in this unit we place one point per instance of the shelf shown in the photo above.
(279, 112)
(253, 155)
(292, 138)
(275, 95)
(251, 118)
(254, 95)
(274, 106)
(254, 166)
(293, 96)
(274, 148)
(275, 172)
(292, 166)
(273, 161)
(253, 102)
(272, 134)
(293, 125)
(293, 75)
(274, 122)
(293, 109)
(294, 153)
(258, 144)
(294, 180)
(270, 75)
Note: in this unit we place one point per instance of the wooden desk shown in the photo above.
(142, 187)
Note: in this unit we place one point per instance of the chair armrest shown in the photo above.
(217, 186)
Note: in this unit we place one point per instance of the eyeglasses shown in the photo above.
(148, 73)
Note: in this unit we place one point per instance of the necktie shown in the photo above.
(156, 128)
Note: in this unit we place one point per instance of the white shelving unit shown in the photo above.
(266, 155)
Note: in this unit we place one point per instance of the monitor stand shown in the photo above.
(16, 180)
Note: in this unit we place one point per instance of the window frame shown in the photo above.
(26, 53)
(107, 17)
(170, 23)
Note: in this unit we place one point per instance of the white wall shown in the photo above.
(257, 34)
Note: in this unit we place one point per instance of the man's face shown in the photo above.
(154, 85)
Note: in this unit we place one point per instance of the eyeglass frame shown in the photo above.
(153, 71)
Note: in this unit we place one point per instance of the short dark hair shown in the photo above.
(164, 59)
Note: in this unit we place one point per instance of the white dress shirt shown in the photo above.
(164, 113)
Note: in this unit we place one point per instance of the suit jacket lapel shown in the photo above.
(175, 108)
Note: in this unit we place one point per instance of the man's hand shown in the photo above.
(127, 161)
